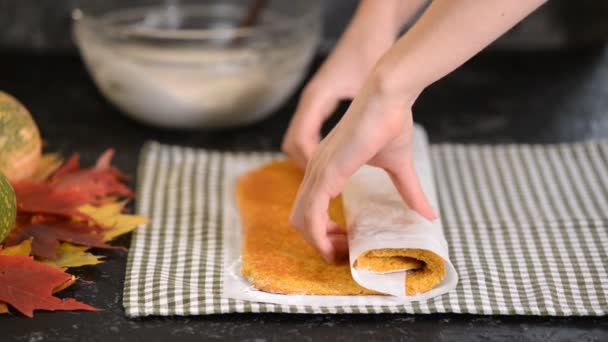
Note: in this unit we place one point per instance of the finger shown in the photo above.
(335, 229)
(339, 240)
(304, 130)
(407, 183)
(309, 216)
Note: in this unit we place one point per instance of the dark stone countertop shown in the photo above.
(495, 98)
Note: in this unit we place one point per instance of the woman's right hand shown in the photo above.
(339, 78)
(377, 127)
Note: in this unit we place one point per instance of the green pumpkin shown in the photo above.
(8, 207)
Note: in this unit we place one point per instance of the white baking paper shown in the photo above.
(377, 218)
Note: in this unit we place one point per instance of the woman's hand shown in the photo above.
(369, 35)
(377, 127)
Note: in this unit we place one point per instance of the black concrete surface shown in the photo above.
(496, 98)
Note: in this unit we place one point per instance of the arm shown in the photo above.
(371, 32)
(447, 35)
(377, 127)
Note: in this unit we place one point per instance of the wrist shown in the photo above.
(388, 83)
(386, 16)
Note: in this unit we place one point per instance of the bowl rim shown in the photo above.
(101, 22)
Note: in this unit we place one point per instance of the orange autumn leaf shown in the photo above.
(66, 284)
(93, 184)
(35, 198)
(70, 186)
(27, 285)
(64, 210)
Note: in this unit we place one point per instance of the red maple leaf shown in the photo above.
(48, 215)
(42, 198)
(72, 165)
(70, 187)
(27, 285)
(47, 233)
(93, 184)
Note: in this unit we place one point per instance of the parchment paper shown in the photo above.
(377, 218)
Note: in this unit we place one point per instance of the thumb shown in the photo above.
(406, 181)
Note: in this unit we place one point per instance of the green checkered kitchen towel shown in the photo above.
(527, 227)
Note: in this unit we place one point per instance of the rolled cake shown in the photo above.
(275, 258)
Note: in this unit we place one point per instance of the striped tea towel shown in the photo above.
(527, 228)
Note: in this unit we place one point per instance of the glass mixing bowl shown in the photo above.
(193, 64)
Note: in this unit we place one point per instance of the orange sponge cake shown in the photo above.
(277, 259)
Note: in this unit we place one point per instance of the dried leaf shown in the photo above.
(27, 285)
(69, 255)
(22, 249)
(111, 217)
(94, 184)
(70, 187)
(42, 198)
(58, 224)
(47, 236)
(72, 165)
(66, 284)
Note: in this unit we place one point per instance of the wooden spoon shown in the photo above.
(253, 14)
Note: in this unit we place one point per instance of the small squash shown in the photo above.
(8, 207)
(20, 143)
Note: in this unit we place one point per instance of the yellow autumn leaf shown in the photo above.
(48, 163)
(22, 249)
(110, 215)
(3, 308)
(69, 255)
